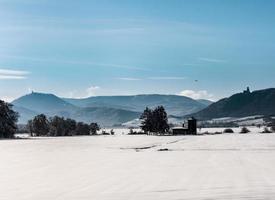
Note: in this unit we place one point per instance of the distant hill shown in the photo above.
(43, 103)
(33, 104)
(261, 102)
(174, 105)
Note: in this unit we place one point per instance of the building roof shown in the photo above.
(180, 128)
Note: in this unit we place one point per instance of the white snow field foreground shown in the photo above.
(121, 167)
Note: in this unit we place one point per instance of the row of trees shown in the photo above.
(40, 125)
(154, 120)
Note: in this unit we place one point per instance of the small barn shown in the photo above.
(189, 128)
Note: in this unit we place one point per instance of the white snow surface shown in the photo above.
(123, 167)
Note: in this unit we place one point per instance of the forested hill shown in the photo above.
(261, 102)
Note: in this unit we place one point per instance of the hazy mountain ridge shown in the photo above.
(174, 105)
(106, 110)
(105, 116)
(260, 102)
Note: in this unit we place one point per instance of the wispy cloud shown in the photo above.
(88, 92)
(202, 94)
(190, 64)
(129, 79)
(13, 72)
(91, 91)
(166, 78)
(10, 77)
(152, 78)
(77, 62)
(212, 60)
(7, 74)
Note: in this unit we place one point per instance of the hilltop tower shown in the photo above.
(247, 91)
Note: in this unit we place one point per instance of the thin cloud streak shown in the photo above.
(151, 78)
(166, 78)
(7, 74)
(212, 60)
(13, 72)
(129, 79)
(72, 62)
(11, 77)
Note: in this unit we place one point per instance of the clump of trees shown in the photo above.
(59, 126)
(154, 121)
(8, 120)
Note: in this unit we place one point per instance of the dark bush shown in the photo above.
(94, 127)
(104, 133)
(245, 130)
(228, 130)
(131, 132)
(266, 130)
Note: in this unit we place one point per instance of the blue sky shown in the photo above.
(123, 47)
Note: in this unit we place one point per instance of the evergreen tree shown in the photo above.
(146, 120)
(40, 125)
(8, 119)
(30, 127)
(160, 120)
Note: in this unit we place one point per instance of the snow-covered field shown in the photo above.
(121, 167)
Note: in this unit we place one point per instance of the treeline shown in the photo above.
(40, 125)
